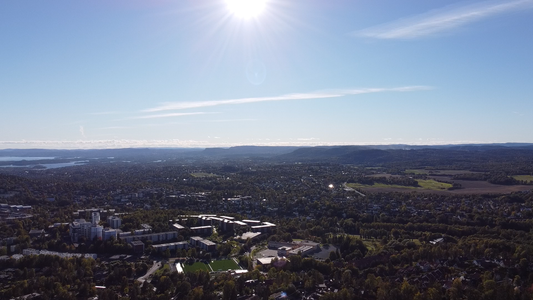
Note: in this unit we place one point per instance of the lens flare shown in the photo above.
(246, 8)
(256, 72)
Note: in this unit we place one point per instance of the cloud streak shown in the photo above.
(287, 97)
(171, 115)
(442, 20)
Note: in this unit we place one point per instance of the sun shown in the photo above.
(246, 8)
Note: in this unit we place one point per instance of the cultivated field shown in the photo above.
(438, 172)
(433, 186)
(430, 185)
(523, 177)
(484, 187)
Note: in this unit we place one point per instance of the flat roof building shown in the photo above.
(178, 226)
(154, 237)
(109, 233)
(138, 247)
(203, 244)
(252, 222)
(202, 230)
(171, 246)
(264, 228)
(250, 235)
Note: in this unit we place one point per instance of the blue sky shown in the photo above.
(192, 73)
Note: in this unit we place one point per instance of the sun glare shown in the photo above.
(246, 8)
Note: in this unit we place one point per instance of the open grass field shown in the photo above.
(484, 187)
(202, 175)
(224, 265)
(428, 184)
(195, 267)
(434, 186)
(431, 184)
(437, 172)
(416, 171)
(378, 186)
(523, 177)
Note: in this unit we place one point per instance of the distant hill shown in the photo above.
(152, 153)
(248, 151)
(126, 153)
(420, 155)
(368, 155)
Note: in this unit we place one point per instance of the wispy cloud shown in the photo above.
(113, 127)
(287, 97)
(442, 20)
(227, 120)
(172, 115)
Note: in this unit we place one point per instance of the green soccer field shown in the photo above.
(195, 267)
(224, 265)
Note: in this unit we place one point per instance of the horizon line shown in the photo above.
(274, 144)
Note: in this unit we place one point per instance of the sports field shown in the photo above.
(224, 265)
(215, 265)
(195, 267)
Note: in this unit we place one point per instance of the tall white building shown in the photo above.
(108, 233)
(96, 232)
(114, 222)
(79, 228)
(96, 218)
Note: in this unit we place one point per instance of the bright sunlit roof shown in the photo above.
(246, 8)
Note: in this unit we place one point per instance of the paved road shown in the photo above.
(155, 267)
(352, 190)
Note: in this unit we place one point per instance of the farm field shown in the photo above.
(379, 186)
(224, 265)
(438, 172)
(483, 187)
(469, 187)
(523, 177)
(433, 185)
(428, 184)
